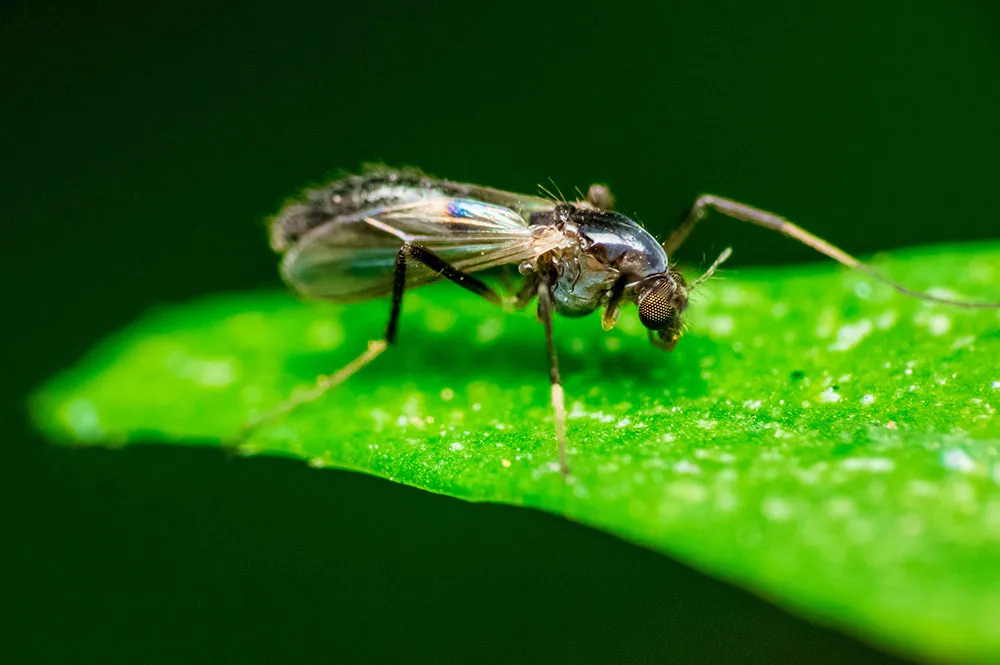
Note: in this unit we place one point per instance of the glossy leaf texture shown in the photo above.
(815, 437)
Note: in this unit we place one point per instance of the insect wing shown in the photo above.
(353, 258)
(522, 204)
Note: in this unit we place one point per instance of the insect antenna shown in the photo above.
(726, 253)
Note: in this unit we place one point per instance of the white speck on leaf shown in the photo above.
(851, 334)
(776, 509)
(868, 399)
(886, 319)
(957, 460)
(689, 491)
(829, 395)
(939, 324)
(964, 340)
(872, 464)
(210, 373)
(722, 325)
(947, 294)
(83, 420)
(684, 466)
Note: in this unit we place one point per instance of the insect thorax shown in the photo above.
(605, 247)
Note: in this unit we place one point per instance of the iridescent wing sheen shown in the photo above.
(522, 204)
(352, 258)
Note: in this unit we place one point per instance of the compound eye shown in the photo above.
(656, 308)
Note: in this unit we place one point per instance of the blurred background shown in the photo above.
(142, 149)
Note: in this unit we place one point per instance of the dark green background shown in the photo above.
(142, 148)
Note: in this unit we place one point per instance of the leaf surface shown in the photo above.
(815, 437)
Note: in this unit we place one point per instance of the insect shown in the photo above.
(388, 231)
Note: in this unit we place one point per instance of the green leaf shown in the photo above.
(815, 437)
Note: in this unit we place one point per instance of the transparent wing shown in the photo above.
(522, 204)
(353, 258)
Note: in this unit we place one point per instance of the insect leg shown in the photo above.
(614, 306)
(528, 290)
(378, 346)
(768, 220)
(558, 397)
(323, 384)
(438, 265)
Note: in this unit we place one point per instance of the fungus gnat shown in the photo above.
(378, 234)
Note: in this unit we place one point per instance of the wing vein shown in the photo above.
(352, 258)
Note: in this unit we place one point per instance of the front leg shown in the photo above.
(768, 220)
(756, 216)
